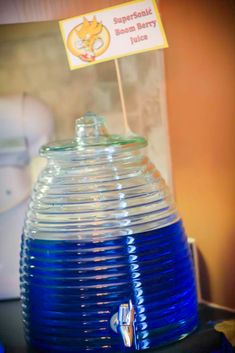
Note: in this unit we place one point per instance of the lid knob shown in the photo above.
(90, 127)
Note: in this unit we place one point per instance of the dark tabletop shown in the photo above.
(204, 340)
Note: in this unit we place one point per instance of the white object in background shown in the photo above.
(15, 187)
(26, 124)
(194, 252)
(10, 236)
(23, 116)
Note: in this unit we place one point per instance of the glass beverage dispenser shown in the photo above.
(105, 265)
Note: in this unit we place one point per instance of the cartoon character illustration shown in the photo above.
(88, 40)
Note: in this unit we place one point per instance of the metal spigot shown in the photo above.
(123, 322)
(126, 319)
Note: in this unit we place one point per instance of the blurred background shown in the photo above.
(182, 99)
(33, 60)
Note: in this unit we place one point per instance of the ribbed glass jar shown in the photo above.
(105, 265)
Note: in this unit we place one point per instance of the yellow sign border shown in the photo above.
(73, 67)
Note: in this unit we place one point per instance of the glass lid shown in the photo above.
(91, 132)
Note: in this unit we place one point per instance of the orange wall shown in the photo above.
(200, 80)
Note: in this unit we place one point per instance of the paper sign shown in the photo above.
(111, 33)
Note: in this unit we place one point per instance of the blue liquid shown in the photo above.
(71, 289)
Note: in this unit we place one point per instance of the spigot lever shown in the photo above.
(126, 320)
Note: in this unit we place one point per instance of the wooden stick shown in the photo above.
(127, 129)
